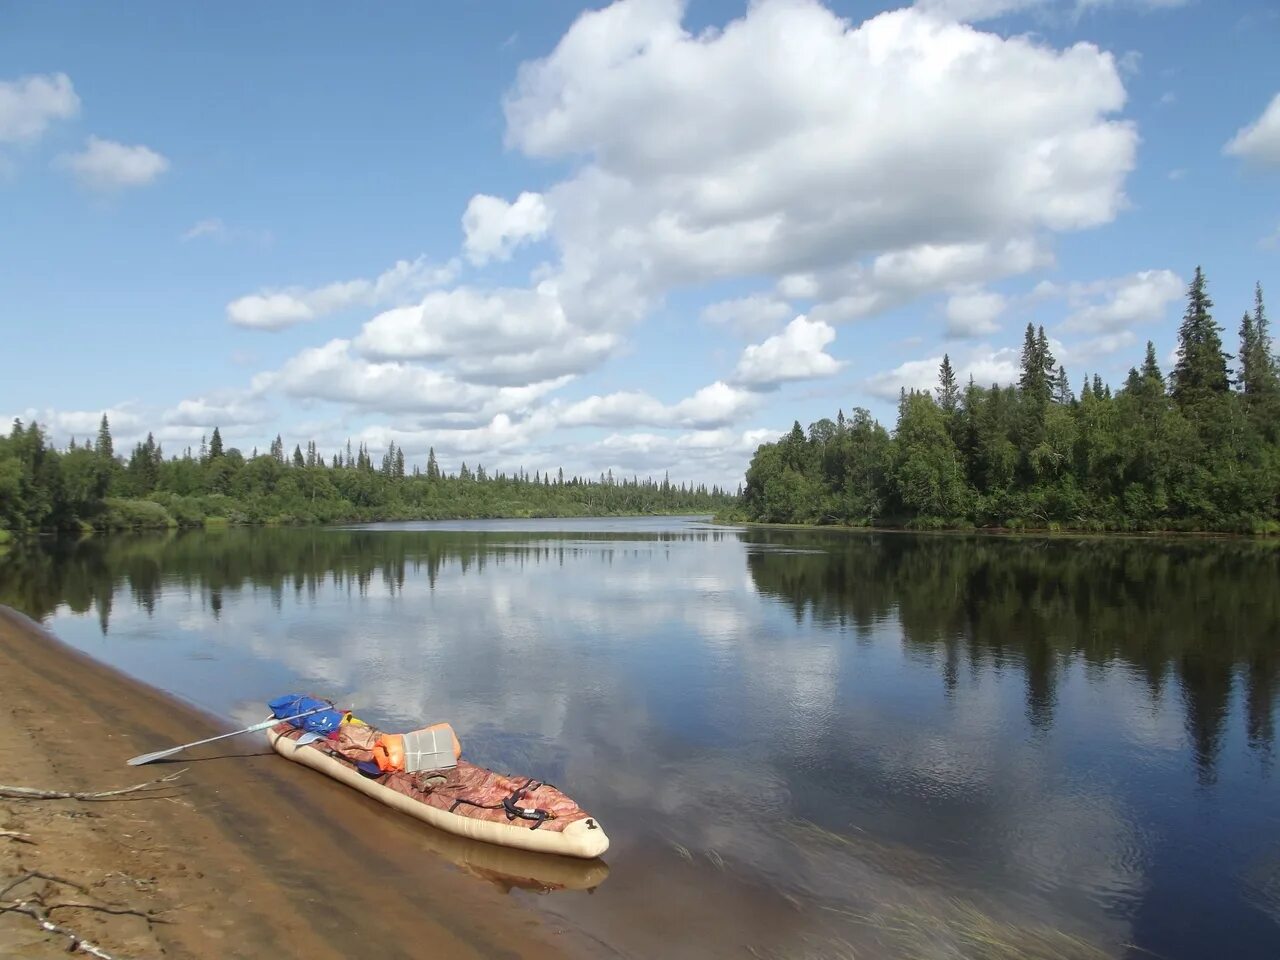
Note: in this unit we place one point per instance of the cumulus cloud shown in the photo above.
(798, 353)
(718, 155)
(29, 104)
(984, 365)
(217, 411)
(334, 373)
(494, 227)
(125, 421)
(107, 165)
(277, 309)
(716, 405)
(898, 277)
(754, 315)
(1107, 306)
(500, 336)
(973, 311)
(1259, 142)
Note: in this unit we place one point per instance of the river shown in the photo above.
(801, 743)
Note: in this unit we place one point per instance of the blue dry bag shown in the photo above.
(291, 704)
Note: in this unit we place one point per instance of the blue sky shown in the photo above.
(638, 237)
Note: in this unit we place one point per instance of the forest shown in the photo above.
(1197, 450)
(88, 486)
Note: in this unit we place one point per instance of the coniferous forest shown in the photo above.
(1196, 449)
(88, 485)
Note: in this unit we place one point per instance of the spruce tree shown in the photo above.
(1062, 387)
(1201, 370)
(1257, 366)
(215, 445)
(948, 391)
(298, 460)
(104, 447)
(433, 467)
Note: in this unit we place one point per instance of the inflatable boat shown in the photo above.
(461, 799)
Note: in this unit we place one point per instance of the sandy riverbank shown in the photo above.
(250, 857)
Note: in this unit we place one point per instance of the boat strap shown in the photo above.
(510, 804)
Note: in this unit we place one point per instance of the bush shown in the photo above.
(121, 514)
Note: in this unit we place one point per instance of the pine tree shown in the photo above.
(298, 459)
(399, 465)
(104, 447)
(947, 389)
(215, 445)
(1201, 370)
(433, 467)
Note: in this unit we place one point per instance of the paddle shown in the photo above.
(148, 757)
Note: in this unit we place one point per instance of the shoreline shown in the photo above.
(248, 856)
(1066, 533)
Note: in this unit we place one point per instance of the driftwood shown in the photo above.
(34, 907)
(28, 793)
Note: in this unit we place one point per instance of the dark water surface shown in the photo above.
(801, 744)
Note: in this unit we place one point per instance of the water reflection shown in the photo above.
(786, 733)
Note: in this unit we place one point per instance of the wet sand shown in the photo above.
(250, 856)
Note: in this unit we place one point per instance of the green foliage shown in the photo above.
(43, 489)
(1198, 456)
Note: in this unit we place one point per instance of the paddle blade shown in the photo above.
(148, 757)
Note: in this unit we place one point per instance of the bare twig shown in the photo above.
(38, 914)
(28, 793)
(150, 918)
(16, 837)
(37, 875)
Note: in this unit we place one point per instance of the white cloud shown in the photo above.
(501, 336)
(216, 411)
(984, 365)
(1108, 306)
(798, 353)
(331, 372)
(973, 311)
(494, 228)
(718, 453)
(29, 104)
(754, 315)
(275, 310)
(125, 421)
(718, 155)
(213, 227)
(107, 165)
(715, 405)
(1259, 142)
(900, 276)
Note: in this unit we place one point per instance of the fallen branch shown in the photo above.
(36, 913)
(16, 837)
(28, 793)
(33, 906)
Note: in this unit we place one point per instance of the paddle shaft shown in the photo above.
(148, 757)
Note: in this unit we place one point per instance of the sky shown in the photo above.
(642, 237)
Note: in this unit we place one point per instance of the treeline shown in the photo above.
(1197, 450)
(88, 485)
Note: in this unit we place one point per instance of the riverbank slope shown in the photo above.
(249, 857)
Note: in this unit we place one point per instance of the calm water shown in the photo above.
(801, 744)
